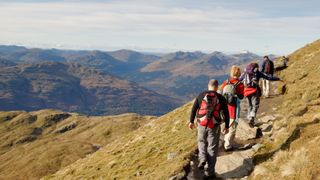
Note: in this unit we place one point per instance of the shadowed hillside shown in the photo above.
(75, 88)
(39, 143)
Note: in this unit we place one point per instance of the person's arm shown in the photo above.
(225, 111)
(241, 78)
(263, 66)
(194, 110)
(272, 68)
(267, 77)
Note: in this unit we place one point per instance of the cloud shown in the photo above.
(153, 24)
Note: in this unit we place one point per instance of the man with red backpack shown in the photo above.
(268, 69)
(207, 107)
(252, 90)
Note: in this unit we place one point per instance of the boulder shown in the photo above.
(235, 165)
(266, 119)
(266, 127)
(245, 132)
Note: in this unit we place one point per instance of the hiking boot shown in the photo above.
(229, 149)
(206, 177)
(201, 165)
(251, 123)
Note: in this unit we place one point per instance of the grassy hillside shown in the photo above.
(36, 144)
(159, 149)
(293, 151)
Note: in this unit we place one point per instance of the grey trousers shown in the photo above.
(253, 102)
(208, 144)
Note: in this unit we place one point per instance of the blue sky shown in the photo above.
(273, 26)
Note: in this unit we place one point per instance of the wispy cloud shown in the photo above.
(153, 24)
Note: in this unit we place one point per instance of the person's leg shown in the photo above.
(213, 146)
(264, 88)
(267, 88)
(229, 138)
(202, 145)
(255, 102)
(250, 107)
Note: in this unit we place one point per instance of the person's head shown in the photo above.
(256, 65)
(266, 58)
(235, 72)
(213, 85)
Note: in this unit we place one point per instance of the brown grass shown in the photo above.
(142, 154)
(296, 138)
(49, 151)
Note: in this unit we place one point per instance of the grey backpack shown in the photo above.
(229, 92)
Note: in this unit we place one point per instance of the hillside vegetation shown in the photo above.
(160, 149)
(36, 144)
(293, 151)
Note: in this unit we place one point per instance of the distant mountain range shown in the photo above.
(179, 75)
(75, 88)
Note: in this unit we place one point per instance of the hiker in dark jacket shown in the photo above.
(268, 69)
(252, 90)
(207, 108)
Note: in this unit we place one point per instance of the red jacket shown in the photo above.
(239, 92)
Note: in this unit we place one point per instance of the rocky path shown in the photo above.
(239, 164)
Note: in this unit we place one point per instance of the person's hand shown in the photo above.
(225, 131)
(191, 126)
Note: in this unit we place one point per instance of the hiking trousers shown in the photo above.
(253, 102)
(208, 145)
(266, 87)
(229, 138)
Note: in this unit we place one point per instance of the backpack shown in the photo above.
(267, 67)
(208, 109)
(229, 92)
(250, 79)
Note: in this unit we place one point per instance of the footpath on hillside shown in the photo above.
(238, 164)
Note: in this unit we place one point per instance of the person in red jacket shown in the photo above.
(234, 108)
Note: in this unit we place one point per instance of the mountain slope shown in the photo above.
(184, 74)
(162, 148)
(180, 74)
(76, 88)
(39, 143)
(295, 148)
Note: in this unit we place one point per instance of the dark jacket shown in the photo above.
(223, 107)
(264, 70)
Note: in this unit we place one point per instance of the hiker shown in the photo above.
(267, 68)
(207, 107)
(233, 90)
(252, 90)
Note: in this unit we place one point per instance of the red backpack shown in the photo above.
(209, 114)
